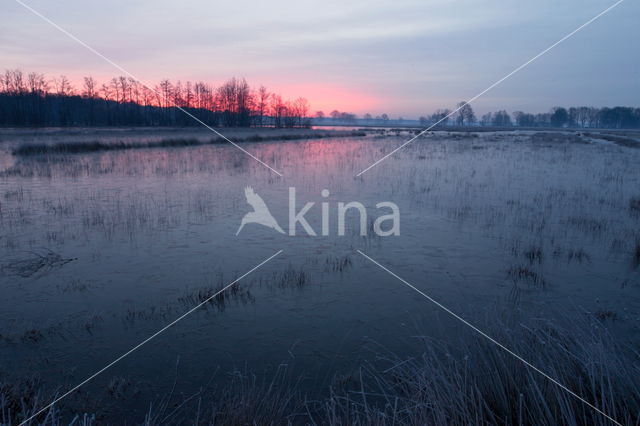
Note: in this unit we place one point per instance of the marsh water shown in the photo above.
(100, 250)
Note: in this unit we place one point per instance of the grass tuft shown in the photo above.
(95, 146)
(454, 381)
(634, 206)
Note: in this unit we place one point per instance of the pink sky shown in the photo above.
(404, 59)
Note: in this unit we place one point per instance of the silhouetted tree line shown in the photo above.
(584, 117)
(33, 100)
(575, 117)
(608, 118)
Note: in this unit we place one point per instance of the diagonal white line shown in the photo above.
(91, 49)
(154, 335)
(491, 339)
(492, 86)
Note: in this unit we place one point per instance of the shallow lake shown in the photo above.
(101, 250)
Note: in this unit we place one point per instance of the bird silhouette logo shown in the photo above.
(260, 214)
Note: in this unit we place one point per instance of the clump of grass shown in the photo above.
(605, 314)
(524, 273)
(578, 256)
(636, 254)
(38, 263)
(338, 264)
(556, 137)
(292, 278)
(475, 382)
(150, 313)
(249, 400)
(21, 400)
(92, 323)
(75, 285)
(17, 400)
(634, 205)
(17, 194)
(459, 382)
(587, 224)
(86, 147)
(32, 335)
(213, 294)
(289, 278)
(121, 388)
(534, 255)
(96, 146)
(244, 399)
(617, 139)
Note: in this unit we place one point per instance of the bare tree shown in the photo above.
(262, 103)
(37, 83)
(465, 114)
(441, 116)
(63, 86)
(89, 89)
(301, 107)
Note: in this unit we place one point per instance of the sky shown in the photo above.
(403, 58)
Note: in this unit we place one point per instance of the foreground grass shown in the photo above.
(461, 382)
(95, 146)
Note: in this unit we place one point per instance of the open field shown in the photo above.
(532, 235)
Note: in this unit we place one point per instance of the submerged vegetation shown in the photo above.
(36, 263)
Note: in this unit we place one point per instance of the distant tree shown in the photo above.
(523, 119)
(37, 83)
(301, 111)
(423, 120)
(278, 110)
(63, 86)
(582, 117)
(573, 117)
(441, 116)
(348, 117)
(517, 117)
(89, 89)
(234, 100)
(262, 104)
(619, 117)
(13, 82)
(501, 119)
(542, 120)
(486, 119)
(320, 114)
(465, 114)
(34, 100)
(244, 103)
(594, 117)
(166, 88)
(559, 117)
